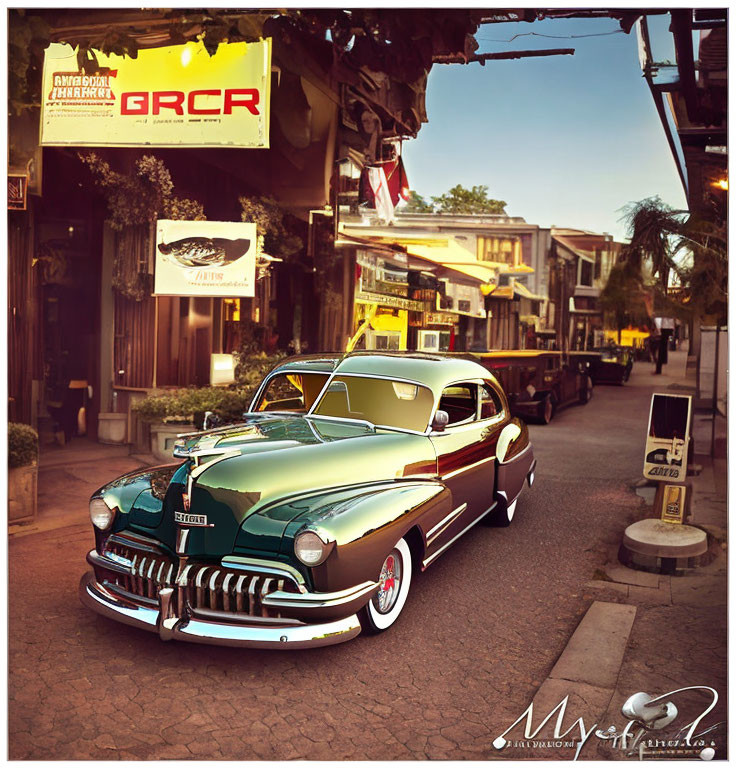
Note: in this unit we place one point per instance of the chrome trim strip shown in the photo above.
(253, 564)
(426, 562)
(340, 418)
(94, 558)
(225, 591)
(136, 541)
(96, 597)
(252, 594)
(434, 532)
(266, 584)
(280, 599)
(456, 472)
(182, 580)
(181, 540)
(239, 594)
(213, 580)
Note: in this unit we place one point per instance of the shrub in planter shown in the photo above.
(22, 445)
(180, 405)
(252, 368)
(23, 473)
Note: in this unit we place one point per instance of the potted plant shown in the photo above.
(171, 413)
(112, 427)
(22, 473)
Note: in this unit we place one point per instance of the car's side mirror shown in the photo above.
(440, 421)
(508, 434)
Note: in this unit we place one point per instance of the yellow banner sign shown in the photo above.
(178, 96)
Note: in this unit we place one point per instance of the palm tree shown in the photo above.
(653, 228)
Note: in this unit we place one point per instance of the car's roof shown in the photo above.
(317, 363)
(433, 370)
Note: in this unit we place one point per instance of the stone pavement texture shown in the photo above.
(480, 634)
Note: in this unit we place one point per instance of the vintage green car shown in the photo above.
(304, 524)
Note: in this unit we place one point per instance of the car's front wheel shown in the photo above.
(394, 579)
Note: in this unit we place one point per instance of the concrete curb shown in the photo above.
(586, 673)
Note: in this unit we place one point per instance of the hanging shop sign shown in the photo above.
(205, 258)
(439, 318)
(386, 300)
(177, 96)
(665, 457)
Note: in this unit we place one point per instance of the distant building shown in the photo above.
(506, 254)
(580, 263)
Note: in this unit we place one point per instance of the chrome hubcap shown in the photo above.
(389, 583)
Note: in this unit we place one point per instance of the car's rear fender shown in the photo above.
(515, 466)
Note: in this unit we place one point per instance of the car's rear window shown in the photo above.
(382, 402)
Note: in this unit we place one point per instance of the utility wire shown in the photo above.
(557, 37)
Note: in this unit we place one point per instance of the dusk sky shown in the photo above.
(565, 140)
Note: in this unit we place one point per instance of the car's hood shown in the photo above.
(254, 469)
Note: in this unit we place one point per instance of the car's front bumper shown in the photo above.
(209, 626)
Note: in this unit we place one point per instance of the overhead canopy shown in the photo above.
(446, 252)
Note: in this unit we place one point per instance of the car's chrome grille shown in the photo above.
(199, 585)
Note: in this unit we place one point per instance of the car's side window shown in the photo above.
(460, 401)
(490, 402)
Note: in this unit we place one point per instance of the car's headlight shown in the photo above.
(310, 548)
(100, 514)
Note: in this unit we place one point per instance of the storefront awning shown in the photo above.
(521, 290)
(444, 251)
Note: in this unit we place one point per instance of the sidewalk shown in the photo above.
(649, 632)
(68, 476)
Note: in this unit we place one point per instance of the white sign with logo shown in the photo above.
(205, 258)
(668, 435)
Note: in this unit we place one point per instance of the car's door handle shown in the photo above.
(486, 433)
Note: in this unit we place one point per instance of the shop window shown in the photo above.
(496, 249)
(586, 273)
(460, 402)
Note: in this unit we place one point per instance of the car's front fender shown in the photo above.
(364, 525)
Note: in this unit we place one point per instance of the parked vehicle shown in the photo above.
(539, 382)
(615, 365)
(305, 523)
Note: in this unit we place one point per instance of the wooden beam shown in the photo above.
(482, 58)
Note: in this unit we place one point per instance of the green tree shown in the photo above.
(474, 200)
(417, 204)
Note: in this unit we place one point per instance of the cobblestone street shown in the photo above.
(480, 632)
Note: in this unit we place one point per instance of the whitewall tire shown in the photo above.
(502, 517)
(394, 579)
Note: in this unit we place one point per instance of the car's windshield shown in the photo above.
(382, 402)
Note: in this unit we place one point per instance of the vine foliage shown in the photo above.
(135, 201)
